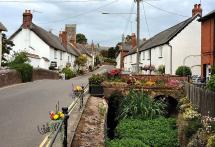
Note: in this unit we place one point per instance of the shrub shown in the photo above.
(96, 79)
(25, 70)
(192, 128)
(160, 132)
(211, 83)
(20, 64)
(108, 60)
(211, 141)
(183, 71)
(213, 70)
(126, 142)
(68, 73)
(140, 105)
(161, 69)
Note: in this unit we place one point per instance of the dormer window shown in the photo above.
(55, 54)
(161, 52)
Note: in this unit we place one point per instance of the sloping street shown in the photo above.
(24, 106)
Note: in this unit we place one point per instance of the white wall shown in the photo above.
(28, 41)
(188, 42)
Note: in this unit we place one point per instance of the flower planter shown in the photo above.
(96, 90)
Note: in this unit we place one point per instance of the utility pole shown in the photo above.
(138, 36)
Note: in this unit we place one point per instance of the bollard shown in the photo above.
(65, 121)
(82, 98)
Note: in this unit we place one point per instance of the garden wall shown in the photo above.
(155, 77)
(39, 74)
(10, 77)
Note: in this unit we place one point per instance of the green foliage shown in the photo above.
(104, 53)
(81, 38)
(211, 83)
(81, 61)
(20, 63)
(108, 60)
(183, 71)
(6, 47)
(96, 79)
(97, 61)
(140, 105)
(25, 70)
(19, 58)
(68, 73)
(160, 132)
(112, 53)
(161, 69)
(126, 142)
(192, 128)
(213, 70)
(211, 141)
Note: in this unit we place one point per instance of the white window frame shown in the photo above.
(68, 58)
(130, 58)
(55, 54)
(160, 52)
(149, 55)
(61, 55)
(144, 55)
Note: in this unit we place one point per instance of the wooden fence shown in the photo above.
(203, 99)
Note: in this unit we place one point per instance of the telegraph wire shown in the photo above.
(147, 25)
(81, 14)
(169, 12)
(45, 1)
(129, 18)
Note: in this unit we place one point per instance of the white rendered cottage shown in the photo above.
(174, 47)
(43, 47)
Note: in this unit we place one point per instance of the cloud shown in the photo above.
(103, 29)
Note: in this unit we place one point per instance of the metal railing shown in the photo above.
(67, 111)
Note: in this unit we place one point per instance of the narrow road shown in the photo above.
(24, 106)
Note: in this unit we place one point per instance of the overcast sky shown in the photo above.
(87, 14)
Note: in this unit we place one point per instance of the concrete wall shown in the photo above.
(10, 77)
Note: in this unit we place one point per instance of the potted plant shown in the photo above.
(95, 87)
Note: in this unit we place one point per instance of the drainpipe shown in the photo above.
(170, 58)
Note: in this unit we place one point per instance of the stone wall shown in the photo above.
(155, 77)
(39, 74)
(10, 77)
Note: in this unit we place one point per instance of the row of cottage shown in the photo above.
(45, 49)
(190, 43)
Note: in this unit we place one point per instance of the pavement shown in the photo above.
(25, 106)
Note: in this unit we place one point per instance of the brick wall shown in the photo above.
(156, 77)
(10, 77)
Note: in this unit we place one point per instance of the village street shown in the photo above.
(24, 106)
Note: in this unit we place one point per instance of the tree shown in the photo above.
(81, 61)
(111, 53)
(104, 53)
(6, 47)
(81, 38)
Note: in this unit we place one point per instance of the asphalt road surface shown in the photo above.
(24, 106)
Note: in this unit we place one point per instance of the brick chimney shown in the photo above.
(197, 10)
(63, 38)
(133, 40)
(71, 33)
(27, 19)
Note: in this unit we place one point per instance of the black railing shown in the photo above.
(66, 111)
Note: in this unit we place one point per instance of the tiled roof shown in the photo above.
(2, 27)
(49, 38)
(165, 36)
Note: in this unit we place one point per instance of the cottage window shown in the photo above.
(61, 55)
(68, 59)
(149, 55)
(55, 54)
(143, 55)
(160, 52)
